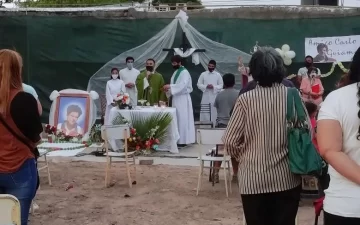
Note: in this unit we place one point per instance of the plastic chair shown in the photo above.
(117, 132)
(213, 137)
(9, 210)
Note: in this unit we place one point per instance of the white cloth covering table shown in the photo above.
(170, 143)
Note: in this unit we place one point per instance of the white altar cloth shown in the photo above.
(170, 144)
(65, 153)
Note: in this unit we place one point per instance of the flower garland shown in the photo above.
(50, 149)
(341, 66)
(83, 144)
(62, 141)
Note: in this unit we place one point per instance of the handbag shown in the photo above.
(34, 150)
(303, 156)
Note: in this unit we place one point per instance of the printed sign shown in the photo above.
(332, 49)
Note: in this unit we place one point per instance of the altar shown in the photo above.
(170, 143)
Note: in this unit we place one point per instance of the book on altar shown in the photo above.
(316, 88)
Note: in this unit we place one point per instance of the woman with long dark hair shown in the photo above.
(339, 143)
(256, 136)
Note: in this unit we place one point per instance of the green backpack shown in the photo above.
(303, 156)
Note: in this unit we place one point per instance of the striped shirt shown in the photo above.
(257, 137)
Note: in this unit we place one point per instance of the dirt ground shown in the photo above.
(163, 195)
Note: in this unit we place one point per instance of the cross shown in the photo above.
(184, 46)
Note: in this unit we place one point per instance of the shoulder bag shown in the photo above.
(303, 156)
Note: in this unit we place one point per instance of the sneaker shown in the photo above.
(235, 179)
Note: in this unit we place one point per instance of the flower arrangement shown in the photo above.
(50, 130)
(146, 144)
(123, 101)
(63, 137)
(146, 133)
(55, 135)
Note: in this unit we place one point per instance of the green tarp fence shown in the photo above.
(64, 52)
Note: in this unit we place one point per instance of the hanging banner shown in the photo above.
(332, 49)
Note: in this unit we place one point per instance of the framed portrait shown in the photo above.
(71, 114)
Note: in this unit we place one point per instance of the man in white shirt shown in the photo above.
(210, 83)
(309, 62)
(28, 89)
(129, 76)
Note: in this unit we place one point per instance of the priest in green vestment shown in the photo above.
(149, 84)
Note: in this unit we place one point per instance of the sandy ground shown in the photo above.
(163, 195)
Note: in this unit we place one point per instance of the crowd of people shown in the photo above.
(255, 137)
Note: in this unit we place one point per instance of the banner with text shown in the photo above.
(332, 49)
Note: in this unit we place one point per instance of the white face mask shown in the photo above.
(129, 65)
(115, 76)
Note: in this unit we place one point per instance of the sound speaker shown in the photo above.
(328, 2)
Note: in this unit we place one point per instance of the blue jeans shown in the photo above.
(21, 184)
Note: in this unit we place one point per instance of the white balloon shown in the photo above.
(285, 48)
(290, 54)
(280, 52)
(287, 61)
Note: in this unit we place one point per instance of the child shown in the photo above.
(324, 178)
(312, 110)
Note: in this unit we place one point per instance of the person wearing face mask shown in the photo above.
(311, 87)
(179, 89)
(210, 83)
(303, 72)
(114, 87)
(129, 76)
(149, 84)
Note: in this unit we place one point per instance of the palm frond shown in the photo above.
(144, 124)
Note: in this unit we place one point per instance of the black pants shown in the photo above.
(279, 208)
(330, 219)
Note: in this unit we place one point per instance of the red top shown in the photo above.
(313, 125)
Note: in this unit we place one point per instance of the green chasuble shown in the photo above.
(153, 93)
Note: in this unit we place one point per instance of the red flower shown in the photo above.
(157, 141)
(48, 126)
(137, 147)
